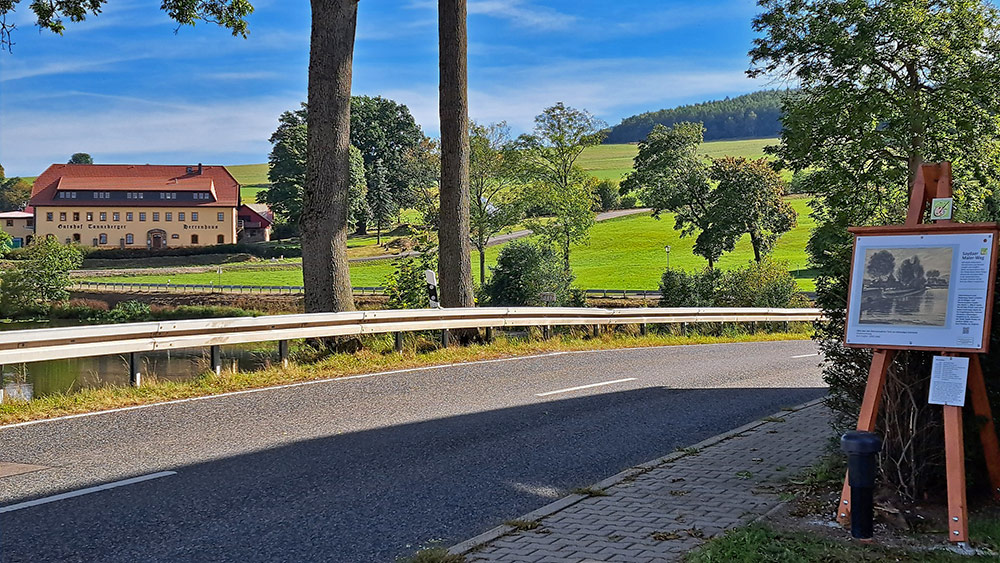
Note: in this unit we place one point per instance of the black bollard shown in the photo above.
(861, 449)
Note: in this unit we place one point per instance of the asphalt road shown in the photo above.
(369, 468)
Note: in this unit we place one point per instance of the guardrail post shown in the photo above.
(597, 330)
(684, 329)
(398, 336)
(642, 329)
(786, 326)
(134, 372)
(753, 327)
(445, 337)
(489, 334)
(283, 352)
(216, 354)
(546, 332)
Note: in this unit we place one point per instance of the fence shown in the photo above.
(297, 289)
(133, 338)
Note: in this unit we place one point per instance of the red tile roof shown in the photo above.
(135, 177)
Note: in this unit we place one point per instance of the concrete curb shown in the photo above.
(488, 536)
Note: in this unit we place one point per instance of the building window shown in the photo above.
(128, 216)
(48, 216)
(202, 195)
(194, 239)
(169, 216)
(62, 215)
(175, 236)
(102, 195)
(67, 195)
(222, 216)
(10, 222)
(129, 239)
(76, 215)
(104, 216)
(180, 215)
(103, 239)
(29, 223)
(134, 195)
(116, 216)
(221, 239)
(156, 215)
(90, 215)
(76, 238)
(168, 195)
(194, 216)
(142, 215)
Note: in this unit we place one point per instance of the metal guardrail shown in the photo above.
(74, 342)
(294, 289)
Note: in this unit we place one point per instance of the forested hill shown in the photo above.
(747, 116)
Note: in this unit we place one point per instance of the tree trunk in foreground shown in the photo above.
(325, 211)
(455, 265)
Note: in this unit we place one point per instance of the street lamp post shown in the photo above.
(667, 248)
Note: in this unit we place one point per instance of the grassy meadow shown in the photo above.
(623, 253)
(613, 162)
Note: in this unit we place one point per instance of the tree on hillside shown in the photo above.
(750, 202)
(454, 266)
(80, 158)
(385, 132)
(496, 167)
(561, 134)
(287, 171)
(41, 275)
(671, 176)
(382, 205)
(885, 86)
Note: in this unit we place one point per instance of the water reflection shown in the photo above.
(927, 308)
(63, 376)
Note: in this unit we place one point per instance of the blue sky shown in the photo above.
(125, 88)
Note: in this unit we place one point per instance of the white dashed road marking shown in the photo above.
(585, 387)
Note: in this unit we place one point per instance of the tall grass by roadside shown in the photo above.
(377, 356)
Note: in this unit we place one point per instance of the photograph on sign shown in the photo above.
(920, 290)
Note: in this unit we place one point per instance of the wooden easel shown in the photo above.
(934, 180)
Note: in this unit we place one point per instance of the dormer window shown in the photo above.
(202, 195)
(134, 195)
(67, 195)
(168, 195)
(102, 195)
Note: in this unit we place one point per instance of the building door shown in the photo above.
(156, 239)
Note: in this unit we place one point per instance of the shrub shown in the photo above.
(128, 312)
(681, 289)
(406, 287)
(78, 309)
(767, 284)
(266, 250)
(606, 195)
(42, 275)
(629, 201)
(523, 272)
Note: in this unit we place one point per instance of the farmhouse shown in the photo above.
(142, 206)
(20, 225)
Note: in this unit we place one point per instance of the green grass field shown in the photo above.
(623, 253)
(612, 162)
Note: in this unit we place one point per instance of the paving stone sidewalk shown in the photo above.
(662, 509)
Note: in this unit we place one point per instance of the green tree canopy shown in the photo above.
(80, 158)
(14, 194)
(287, 170)
(496, 168)
(884, 87)
(561, 134)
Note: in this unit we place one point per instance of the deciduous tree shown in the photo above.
(560, 136)
(496, 168)
(885, 86)
(287, 171)
(80, 158)
(750, 202)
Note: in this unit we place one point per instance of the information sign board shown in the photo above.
(921, 289)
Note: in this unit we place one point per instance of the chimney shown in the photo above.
(200, 169)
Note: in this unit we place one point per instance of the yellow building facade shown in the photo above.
(20, 225)
(137, 206)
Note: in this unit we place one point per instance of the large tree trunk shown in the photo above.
(454, 266)
(328, 166)
(755, 242)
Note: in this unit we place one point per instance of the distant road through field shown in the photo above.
(369, 468)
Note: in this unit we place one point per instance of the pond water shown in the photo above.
(928, 308)
(62, 376)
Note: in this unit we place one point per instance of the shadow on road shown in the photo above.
(374, 495)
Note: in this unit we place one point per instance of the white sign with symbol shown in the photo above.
(949, 375)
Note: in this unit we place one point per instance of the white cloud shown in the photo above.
(132, 130)
(17, 69)
(519, 12)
